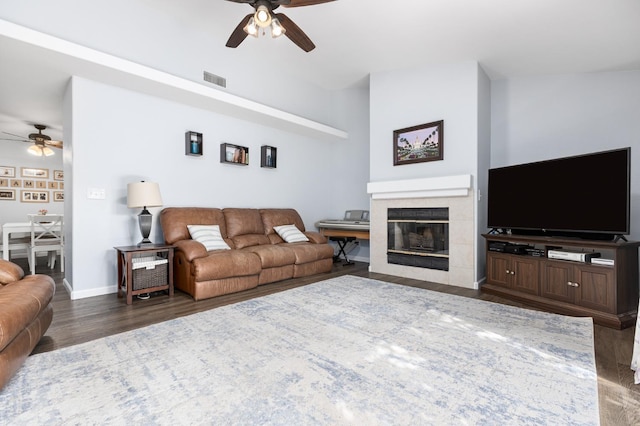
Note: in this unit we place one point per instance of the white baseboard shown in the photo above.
(478, 284)
(83, 294)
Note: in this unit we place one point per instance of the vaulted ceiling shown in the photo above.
(354, 38)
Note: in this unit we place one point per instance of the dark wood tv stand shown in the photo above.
(608, 294)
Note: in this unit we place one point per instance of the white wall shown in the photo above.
(119, 136)
(484, 161)
(540, 118)
(349, 162)
(407, 98)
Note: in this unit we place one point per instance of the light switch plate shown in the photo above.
(96, 194)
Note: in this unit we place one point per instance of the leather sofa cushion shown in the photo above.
(316, 237)
(225, 264)
(243, 222)
(174, 221)
(273, 256)
(22, 301)
(10, 272)
(308, 252)
(242, 241)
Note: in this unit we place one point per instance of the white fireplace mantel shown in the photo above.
(446, 186)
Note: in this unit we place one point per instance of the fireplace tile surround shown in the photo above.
(453, 192)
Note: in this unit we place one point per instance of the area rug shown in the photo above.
(348, 350)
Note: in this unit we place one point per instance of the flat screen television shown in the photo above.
(586, 196)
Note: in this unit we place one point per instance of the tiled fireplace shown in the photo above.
(424, 229)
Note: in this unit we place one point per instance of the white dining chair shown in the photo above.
(47, 234)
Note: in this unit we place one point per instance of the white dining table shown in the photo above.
(14, 228)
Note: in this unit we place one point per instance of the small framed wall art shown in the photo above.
(34, 196)
(268, 156)
(234, 154)
(193, 143)
(7, 194)
(7, 172)
(418, 144)
(34, 173)
(58, 175)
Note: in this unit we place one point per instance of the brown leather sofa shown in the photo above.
(258, 254)
(25, 315)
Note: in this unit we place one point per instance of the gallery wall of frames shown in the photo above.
(31, 184)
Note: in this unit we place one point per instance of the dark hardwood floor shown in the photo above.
(87, 319)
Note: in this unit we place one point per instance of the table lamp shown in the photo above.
(144, 194)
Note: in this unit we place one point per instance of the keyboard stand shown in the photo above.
(342, 243)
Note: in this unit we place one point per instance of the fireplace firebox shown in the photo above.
(418, 237)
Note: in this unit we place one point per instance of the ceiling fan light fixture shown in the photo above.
(276, 28)
(265, 20)
(34, 150)
(262, 16)
(40, 151)
(251, 28)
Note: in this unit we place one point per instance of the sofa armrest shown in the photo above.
(191, 249)
(9, 272)
(315, 237)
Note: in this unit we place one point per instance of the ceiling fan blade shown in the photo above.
(13, 134)
(238, 35)
(299, 3)
(295, 34)
(14, 140)
(55, 144)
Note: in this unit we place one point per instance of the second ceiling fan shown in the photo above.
(41, 142)
(279, 23)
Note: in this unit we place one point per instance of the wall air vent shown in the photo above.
(215, 79)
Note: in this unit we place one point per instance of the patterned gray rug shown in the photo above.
(348, 350)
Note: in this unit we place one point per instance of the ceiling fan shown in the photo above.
(41, 142)
(279, 23)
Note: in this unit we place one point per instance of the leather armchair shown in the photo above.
(25, 315)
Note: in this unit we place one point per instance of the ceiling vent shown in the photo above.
(215, 79)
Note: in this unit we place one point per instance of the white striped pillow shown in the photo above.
(209, 236)
(290, 233)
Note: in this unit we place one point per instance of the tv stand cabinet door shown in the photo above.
(525, 274)
(498, 269)
(557, 282)
(596, 288)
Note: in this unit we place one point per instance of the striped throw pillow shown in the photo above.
(290, 233)
(209, 236)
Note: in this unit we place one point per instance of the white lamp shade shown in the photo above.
(143, 194)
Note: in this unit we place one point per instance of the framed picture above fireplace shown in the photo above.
(418, 144)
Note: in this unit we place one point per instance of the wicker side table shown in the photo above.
(144, 269)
